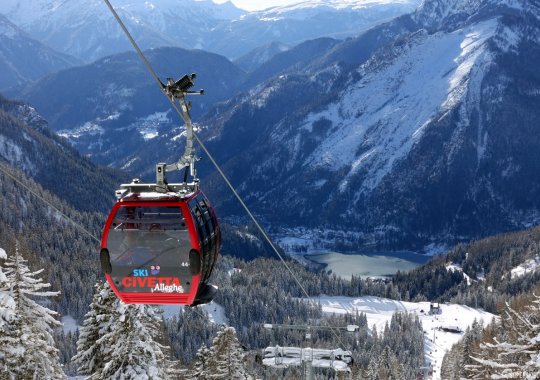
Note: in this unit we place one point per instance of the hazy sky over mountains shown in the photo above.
(253, 5)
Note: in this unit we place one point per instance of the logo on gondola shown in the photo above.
(154, 270)
(157, 284)
(162, 288)
(140, 272)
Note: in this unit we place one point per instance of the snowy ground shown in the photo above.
(379, 311)
(215, 312)
(69, 324)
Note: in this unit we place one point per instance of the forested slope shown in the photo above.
(507, 349)
(27, 143)
(67, 254)
(477, 274)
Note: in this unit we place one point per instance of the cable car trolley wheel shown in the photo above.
(160, 248)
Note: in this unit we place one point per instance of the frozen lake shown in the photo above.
(368, 265)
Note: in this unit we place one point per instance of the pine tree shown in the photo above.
(27, 348)
(7, 304)
(201, 363)
(117, 341)
(226, 357)
(90, 356)
(131, 349)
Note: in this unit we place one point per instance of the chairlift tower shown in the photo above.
(308, 354)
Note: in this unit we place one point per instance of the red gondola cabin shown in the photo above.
(160, 248)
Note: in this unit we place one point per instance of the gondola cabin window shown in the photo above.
(149, 249)
(206, 229)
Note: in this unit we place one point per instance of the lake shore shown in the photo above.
(373, 265)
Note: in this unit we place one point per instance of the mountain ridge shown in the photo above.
(24, 59)
(115, 106)
(88, 32)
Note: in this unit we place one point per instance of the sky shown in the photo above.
(254, 5)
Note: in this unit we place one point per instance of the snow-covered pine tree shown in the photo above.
(98, 320)
(130, 347)
(372, 371)
(200, 364)
(515, 352)
(27, 348)
(226, 359)
(7, 304)
(118, 341)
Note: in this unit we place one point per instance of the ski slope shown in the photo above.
(436, 342)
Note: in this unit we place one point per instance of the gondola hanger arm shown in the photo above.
(177, 91)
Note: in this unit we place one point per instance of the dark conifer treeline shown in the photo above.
(487, 262)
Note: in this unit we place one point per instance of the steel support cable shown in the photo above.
(77, 225)
(184, 115)
(141, 55)
(216, 165)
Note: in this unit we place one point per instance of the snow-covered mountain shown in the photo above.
(430, 136)
(420, 130)
(109, 109)
(305, 9)
(24, 59)
(306, 20)
(87, 30)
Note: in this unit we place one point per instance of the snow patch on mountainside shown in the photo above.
(7, 30)
(86, 129)
(149, 126)
(13, 153)
(471, 50)
(457, 268)
(10, 150)
(379, 118)
(507, 39)
(529, 266)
